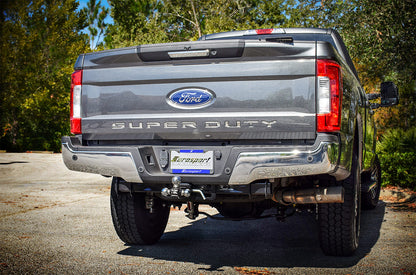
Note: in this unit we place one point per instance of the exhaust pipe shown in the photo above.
(333, 194)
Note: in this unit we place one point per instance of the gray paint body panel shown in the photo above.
(261, 94)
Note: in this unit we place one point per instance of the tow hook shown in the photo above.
(149, 203)
(192, 210)
(180, 190)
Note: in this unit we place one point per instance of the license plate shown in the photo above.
(191, 162)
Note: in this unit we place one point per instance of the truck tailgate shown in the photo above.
(259, 91)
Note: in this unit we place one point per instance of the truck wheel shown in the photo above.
(339, 223)
(134, 223)
(370, 199)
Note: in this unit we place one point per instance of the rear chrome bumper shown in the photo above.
(270, 165)
(250, 162)
(107, 163)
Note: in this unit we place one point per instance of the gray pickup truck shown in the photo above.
(256, 123)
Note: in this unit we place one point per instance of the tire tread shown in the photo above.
(132, 222)
(335, 220)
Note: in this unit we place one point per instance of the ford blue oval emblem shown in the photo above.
(190, 98)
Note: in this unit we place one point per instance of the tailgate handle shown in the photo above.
(189, 54)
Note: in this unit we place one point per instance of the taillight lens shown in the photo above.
(264, 31)
(75, 113)
(329, 96)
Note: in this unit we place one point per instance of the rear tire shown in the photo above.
(339, 223)
(134, 223)
(370, 199)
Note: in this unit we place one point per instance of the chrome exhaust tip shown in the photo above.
(333, 194)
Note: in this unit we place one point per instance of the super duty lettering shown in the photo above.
(191, 124)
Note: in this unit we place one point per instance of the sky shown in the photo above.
(83, 3)
(108, 20)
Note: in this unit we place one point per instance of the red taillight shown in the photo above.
(329, 94)
(264, 31)
(75, 112)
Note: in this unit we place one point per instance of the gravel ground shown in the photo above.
(55, 221)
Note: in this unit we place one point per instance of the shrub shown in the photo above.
(397, 153)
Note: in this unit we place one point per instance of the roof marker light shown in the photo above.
(264, 31)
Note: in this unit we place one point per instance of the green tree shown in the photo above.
(40, 41)
(96, 14)
(154, 21)
(189, 20)
(136, 22)
(312, 13)
(381, 37)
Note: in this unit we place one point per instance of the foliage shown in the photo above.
(40, 42)
(95, 14)
(381, 37)
(397, 154)
(152, 21)
(136, 22)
